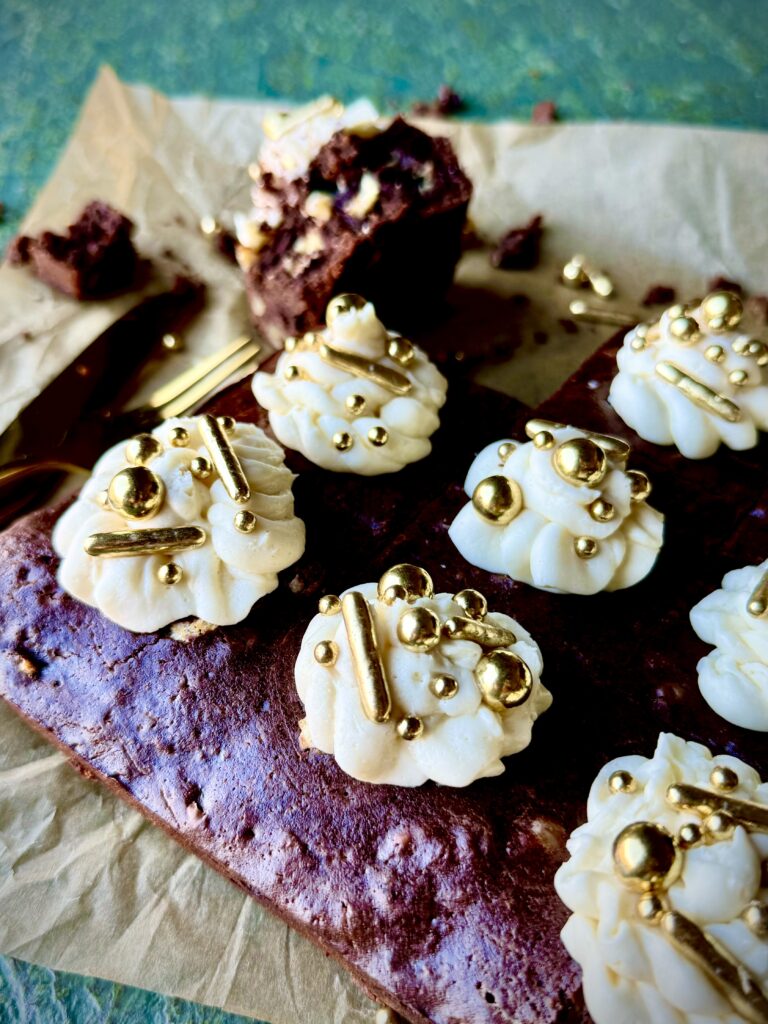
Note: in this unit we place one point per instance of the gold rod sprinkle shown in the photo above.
(758, 599)
(460, 628)
(698, 392)
(704, 802)
(126, 543)
(734, 980)
(388, 378)
(614, 446)
(224, 459)
(581, 310)
(366, 660)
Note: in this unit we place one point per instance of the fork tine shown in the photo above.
(189, 378)
(191, 396)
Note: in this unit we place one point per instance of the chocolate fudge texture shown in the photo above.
(94, 259)
(400, 250)
(439, 901)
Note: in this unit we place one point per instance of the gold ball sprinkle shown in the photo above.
(342, 441)
(355, 404)
(759, 351)
(757, 608)
(739, 378)
(622, 781)
(601, 511)
(415, 581)
(329, 605)
(291, 344)
(410, 727)
(505, 450)
(504, 679)
(170, 573)
(675, 311)
(401, 350)
(326, 653)
(419, 629)
(498, 499)
(724, 778)
(142, 449)
(172, 343)
(179, 437)
(136, 492)
(378, 436)
(227, 423)
(650, 907)
(581, 461)
(755, 916)
(392, 594)
(689, 835)
(293, 372)
(714, 353)
(639, 484)
(684, 329)
(722, 310)
(444, 687)
(102, 498)
(472, 603)
(342, 304)
(586, 547)
(638, 343)
(645, 856)
(719, 825)
(543, 440)
(200, 467)
(209, 225)
(245, 521)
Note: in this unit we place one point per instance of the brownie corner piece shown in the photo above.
(93, 259)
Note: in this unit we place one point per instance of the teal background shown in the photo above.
(695, 61)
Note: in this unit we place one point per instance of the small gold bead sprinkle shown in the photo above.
(245, 521)
(581, 461)
(227, 423)
(740, 346)
(622, 781)
(291, 344)
(293, 372)
(586, 547)
(505, 450)
(142, 448)
(419, 629)
(378, 436)
(573, 273)
(543, 440)
(641, 331)
(498, 499)
(342, 441)
(739, 378)
(355, 404)
(444, 687)
(689, 835)
(209, 225)
(601, 511)
(326, 653)
(179, 437)
(102, 498)
(200, 467)
(722, 310)
(651, 907)
(401, 350)
(342, 304)
(640, 485)
(329, 605)
(415, 581)
(394, 593)
(472, 603)
(675, 311)
(719, 825)
(645, 856)
(715, 353)
(755, 916)
(724, 778)
(757, 608)
(170, 573)
(637, 344)
(172, 343)
(410, 727)
(684, 329)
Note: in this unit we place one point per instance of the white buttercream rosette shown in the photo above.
(463, 739)
(733, 678)
(306, 397)
(222, 579)
(539, 545)
(632, 972)
(728, 362)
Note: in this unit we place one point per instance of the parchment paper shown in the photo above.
(86, 884)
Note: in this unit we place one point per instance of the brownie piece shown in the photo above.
(439, 901)
(94, 259)
(399, 249)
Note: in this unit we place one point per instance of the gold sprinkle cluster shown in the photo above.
(504, 679)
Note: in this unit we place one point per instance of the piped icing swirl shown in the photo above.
(402, 685)
(214, 533)
(667, 892)
(354, 397)
(733, 678)
(695, 379)
(561, 512)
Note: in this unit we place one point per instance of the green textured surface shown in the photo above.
(696, 61)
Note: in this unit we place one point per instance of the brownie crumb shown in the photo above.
(569, 326)
(544, 113)
(659, 295)
(446, 103)
(519, 248)
(722, 284)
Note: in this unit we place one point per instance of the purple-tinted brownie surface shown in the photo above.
(440, 901)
